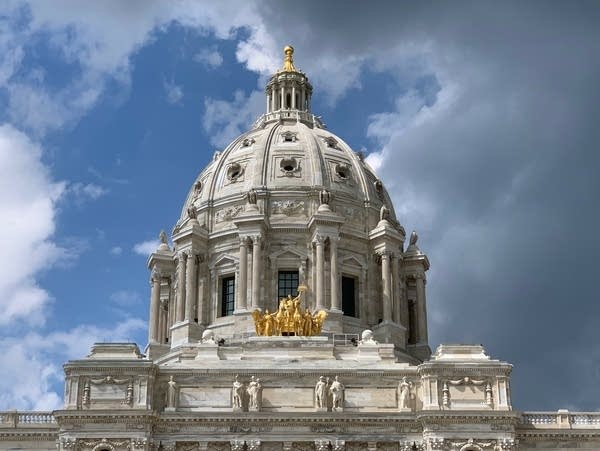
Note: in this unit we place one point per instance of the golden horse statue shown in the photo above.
(289, 319)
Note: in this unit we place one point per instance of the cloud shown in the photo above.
(33, 379)
(224, 120)
(145, 248)
(125, 298)
(174, 93)
(116, 250)
(27, 225)
(82, 192)
(210, 58)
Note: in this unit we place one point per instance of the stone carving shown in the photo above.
(289, 136)
(251, 197)
(171, 393)
(488, 395)
(321, 393)
(353, 214)
(129, 394)
(237, 445)
(331, 142)
(445, 395)
(322, 445)
(404, 395)
(413, 238)
(162, 236)
(105, 444)
(227, 214)
(384, 213)
(247, 142)
(253, 445)
(411, 446)
(290, 319)
(288, 207)
(338, 445)
(238, 394)
(343, 173)
(337, 394)
(85, 399)
(367, 338)
(235, 171)
(324, 197)
(208, 337)
(254, 391)
(290, 167)
(192, 213)
(471, 445)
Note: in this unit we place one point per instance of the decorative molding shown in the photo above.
(228, 213)
(288, 207)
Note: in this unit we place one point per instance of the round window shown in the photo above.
(289, 165)
(342, 171)
(234, 171)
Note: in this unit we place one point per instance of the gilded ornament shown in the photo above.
(289, 319)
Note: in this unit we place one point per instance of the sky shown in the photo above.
(480, 117)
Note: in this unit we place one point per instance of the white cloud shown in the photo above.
(116, 250)
(81, 192)
(125, 298)
(224, 120)
(174, 92)
(29, 382)
(145, 248)
(211, 58)
(27, 223)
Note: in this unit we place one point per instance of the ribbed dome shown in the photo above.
(286, 159)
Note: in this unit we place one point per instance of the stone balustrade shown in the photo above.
(16, 418)
(562, 419)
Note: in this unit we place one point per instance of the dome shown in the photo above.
(289, 209)
(287, 159)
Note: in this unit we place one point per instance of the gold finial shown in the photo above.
(288, 60)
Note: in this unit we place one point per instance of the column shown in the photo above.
(281, 98)
(268, 101)
(201, 290)
(190, 287)
(154, 306)
(396, 289)
(180, 313)
(335, 281)
(421, 309)
(319, 245)
(293, 97)
(162, 319)
(256, 269)
(385, 278)
(243, 277)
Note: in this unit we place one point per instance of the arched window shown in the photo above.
(288, 100)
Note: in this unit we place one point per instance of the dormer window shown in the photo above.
(331, 142)
(289, 166)
(342, 171)
(234, 172)
(289, 137)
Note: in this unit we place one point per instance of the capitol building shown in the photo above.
(290, 314)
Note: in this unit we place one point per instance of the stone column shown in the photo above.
(190, 288)
(336, 303)
(319, 245)
(242, 290)
(256, 270)
(396, 289)
(154, 308)
(282, 99)
(180, 312)
(421, 309)
(385, 278)
(293, 97)
(268, 102)
(200, 298)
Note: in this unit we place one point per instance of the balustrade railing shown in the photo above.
(16, 418)
(562, 419)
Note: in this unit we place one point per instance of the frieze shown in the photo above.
(227, 214)
(288, 207)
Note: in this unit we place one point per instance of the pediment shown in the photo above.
(223, 260)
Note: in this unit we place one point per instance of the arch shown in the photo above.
(471, 447)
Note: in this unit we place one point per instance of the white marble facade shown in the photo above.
(286, 204)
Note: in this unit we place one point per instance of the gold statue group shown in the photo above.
(289, 319)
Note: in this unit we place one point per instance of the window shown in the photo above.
(287, 284)
(349, 296)
(412, 322)
(227, 295)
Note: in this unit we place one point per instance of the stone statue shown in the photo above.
(384, 213)
(337, 394)
(162, 236)
(254, 391)
(321, 393)
(238, 394)
(367, 338)
(192, 213)
(324, 197)
(404, 394)
(208, 336)
(413, 238)
(171, 393)
(251, 197)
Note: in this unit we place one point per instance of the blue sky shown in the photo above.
(481, 119)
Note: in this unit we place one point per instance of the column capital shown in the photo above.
(182, 255)
(256, 239)
(244, 239)
(155, 275)
(319, 239)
